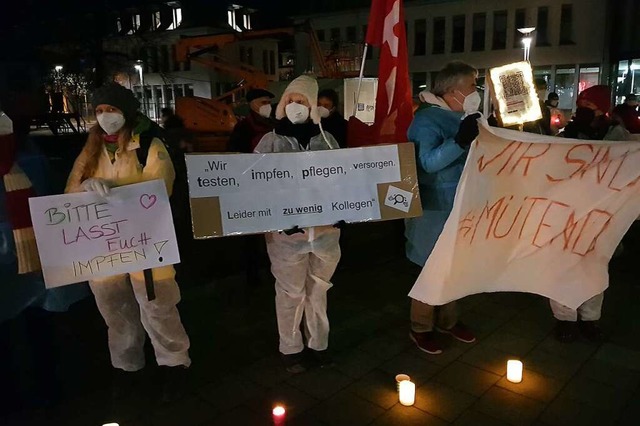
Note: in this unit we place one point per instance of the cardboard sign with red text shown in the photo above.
(534, 214)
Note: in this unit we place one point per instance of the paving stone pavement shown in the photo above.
(236, 376)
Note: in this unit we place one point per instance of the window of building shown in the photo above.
(265, 62)
(176, 64)
(521, 18)
(499, 30)
(250, 56)
(438, 35)
(420, 37)
(320, 35)
(419, 82)
(164, 58)
(136, 22)
(272, 62)
(566, 24)
(177, 19)
(542, 27)
(457, 39)
(155, 21)
(351, 34)
(479, 31)
(246, 21)
(565, 86)
(589, 76)
(335, 34)
(188, 89)
(628, 80)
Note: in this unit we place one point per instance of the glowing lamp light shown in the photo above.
(58, 68)
(514, 371)
(111, 424)
(278, 415)
(407, 393)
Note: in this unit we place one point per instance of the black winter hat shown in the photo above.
(118, 96)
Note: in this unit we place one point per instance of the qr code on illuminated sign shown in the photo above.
(513, 84)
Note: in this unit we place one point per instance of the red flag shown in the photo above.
(394, 107)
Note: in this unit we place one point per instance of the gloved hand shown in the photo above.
(467, 131)
(294, 230)
(96, 185)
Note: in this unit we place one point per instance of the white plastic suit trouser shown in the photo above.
(302, 265)
(588, 311)
(128, 314)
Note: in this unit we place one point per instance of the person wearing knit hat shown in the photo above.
(590, 120)
(110, 158)
(596, 98)
(302, 260)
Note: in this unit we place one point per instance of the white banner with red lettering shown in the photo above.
(534, 214)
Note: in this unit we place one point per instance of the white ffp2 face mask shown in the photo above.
(265, 111)
(296, 113)
(471, 102)
(111, 122)
(324, 112)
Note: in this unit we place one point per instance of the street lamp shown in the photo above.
(138, 68)
(58, 68)
(526, 40)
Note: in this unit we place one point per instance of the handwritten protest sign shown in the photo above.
(253, 193)
(534, 214)
(82, 236)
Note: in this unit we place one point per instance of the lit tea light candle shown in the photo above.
(278, 415)
(399, 378)
(407, 393)
(514, 371)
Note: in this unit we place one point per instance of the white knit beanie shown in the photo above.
(306, 86)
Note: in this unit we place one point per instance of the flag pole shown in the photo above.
(364, 56)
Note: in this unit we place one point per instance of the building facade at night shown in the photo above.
(568, 50)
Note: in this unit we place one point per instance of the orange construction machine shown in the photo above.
(212, 120)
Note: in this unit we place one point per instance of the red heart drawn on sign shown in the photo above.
(147, 201)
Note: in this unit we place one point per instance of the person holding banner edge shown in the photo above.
(442, 130)
(302, 260)
(109, 159)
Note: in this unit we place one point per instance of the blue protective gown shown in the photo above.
(440, 162)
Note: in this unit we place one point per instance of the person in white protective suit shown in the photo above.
(110, 159)
(302, 260)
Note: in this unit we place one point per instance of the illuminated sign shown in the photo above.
(515, 94)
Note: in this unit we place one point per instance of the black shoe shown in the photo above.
(566, 331)
(591, 331)
(295, 363)
(322, 359)
(174, 382)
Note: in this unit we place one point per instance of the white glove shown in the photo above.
(96, 185)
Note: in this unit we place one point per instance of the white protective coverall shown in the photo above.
(124, 307)
(302, 265)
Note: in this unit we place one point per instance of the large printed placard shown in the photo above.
(254, 193)
(515, 93)
(83, 236)
(534, 214)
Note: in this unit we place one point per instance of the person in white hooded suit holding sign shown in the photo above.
(302, 260)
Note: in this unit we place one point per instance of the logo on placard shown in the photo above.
(398, 199)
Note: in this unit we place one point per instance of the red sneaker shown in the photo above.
(426, 342)
(460, 332)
